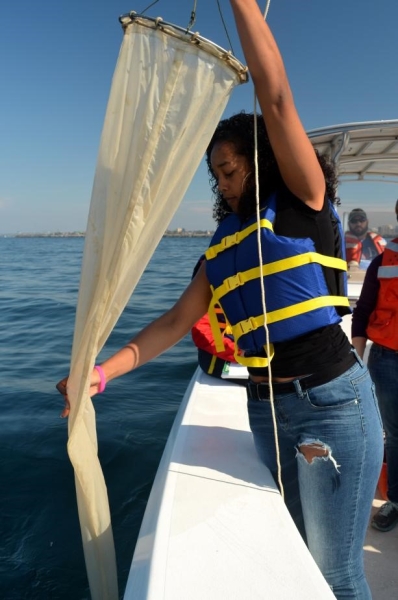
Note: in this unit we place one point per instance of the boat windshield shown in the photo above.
(367, 230)
(366, 158)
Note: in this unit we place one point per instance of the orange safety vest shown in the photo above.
(353, 246)
(383, 322)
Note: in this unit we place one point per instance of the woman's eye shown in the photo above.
(229, 174)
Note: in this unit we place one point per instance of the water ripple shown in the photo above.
(40, 545)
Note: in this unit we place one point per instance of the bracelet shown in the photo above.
(102, 383)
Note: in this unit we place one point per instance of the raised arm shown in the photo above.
(294, 153)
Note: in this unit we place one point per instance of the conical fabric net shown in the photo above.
(168, 92)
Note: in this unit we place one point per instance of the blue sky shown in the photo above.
(57, 62)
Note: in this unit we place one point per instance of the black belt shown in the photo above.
(261, 391)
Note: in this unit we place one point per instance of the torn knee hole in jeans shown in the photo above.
(316, 450)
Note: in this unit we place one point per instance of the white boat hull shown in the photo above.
(216, 526)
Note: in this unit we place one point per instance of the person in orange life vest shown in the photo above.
(210, 360)
(360, 243)
(375, 318)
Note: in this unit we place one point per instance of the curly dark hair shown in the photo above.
(239, 129)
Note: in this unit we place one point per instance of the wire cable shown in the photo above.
(193, 17)
(225, 27)
(148, 7)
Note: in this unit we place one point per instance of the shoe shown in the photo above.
(386, 517)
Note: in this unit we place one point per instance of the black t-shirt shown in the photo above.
(323, 350)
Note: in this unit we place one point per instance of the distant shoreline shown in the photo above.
(80, 234)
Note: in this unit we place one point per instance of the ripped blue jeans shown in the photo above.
(329, 497)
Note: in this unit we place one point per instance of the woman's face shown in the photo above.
(231, 171)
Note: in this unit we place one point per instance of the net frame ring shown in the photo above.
(189, 37)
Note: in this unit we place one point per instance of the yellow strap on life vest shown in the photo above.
(214, 323)
(253, 323)
(235, 238)
(254, 361)
(212, 364)
(278, 266)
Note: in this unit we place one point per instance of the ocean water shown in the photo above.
(41, 556)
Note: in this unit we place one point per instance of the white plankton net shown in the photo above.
(169, 90)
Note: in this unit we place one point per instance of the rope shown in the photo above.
(264, 307)
(190, 25)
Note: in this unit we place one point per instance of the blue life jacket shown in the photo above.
(297, 298)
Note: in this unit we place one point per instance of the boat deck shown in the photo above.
(381, 560)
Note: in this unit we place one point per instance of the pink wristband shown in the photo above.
(102, 383)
